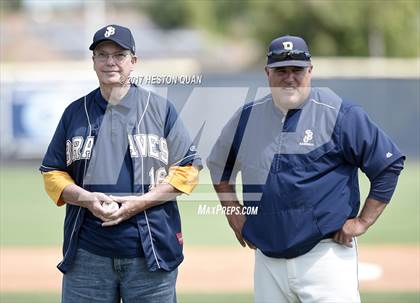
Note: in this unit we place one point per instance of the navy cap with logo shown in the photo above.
(288, 51)
(116, 33)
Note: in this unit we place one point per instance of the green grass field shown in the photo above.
(29, 218)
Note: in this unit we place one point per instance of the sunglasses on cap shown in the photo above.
(289, 55)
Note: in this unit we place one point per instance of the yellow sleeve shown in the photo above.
(183, 178)
(54, 182)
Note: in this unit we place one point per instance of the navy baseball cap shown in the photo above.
(288, 51)
(116, 33)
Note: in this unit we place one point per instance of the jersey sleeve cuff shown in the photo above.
(183, 178)
(54, 182)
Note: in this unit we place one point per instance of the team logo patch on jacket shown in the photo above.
(307, 138)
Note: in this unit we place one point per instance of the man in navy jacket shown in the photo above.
(299, 150)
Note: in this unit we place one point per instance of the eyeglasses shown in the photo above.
(289, 55)
(103, 57)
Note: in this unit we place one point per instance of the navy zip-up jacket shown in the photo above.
(300, 169)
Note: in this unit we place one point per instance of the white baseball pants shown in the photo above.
(326, 274)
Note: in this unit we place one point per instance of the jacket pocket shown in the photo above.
(318, 154)
(298, 162)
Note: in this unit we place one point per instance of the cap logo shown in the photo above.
(288, 45)
(109, 31)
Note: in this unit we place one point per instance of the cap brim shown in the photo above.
(299, 63)
(95, 44)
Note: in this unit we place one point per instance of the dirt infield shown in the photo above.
(223, 269)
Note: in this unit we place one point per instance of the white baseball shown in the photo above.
(112, 206)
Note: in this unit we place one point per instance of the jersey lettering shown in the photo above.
(68, 152)
(78, 148)
(141, 142)
(87, 148)
(133, 150)
(153, 151)
(148, 145)
(77, 143)
(143, 145)
(164, 154)
(157, 176)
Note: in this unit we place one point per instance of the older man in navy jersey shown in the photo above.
(124, 144)
(299, 150)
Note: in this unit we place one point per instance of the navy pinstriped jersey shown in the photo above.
(301, 170)
(147, 127)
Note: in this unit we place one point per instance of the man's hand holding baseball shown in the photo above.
(94, 201)
(130, 206)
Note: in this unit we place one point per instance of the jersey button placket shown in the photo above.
(114, 123)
